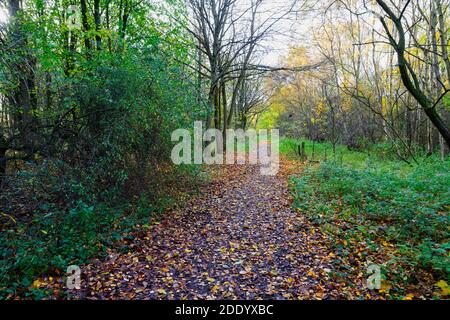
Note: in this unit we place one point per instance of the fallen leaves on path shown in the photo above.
(240, 239)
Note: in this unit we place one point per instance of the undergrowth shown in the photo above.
(399, 216)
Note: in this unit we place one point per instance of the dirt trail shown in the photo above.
(240, 239)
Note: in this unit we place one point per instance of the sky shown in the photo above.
(277, 48)
(294, 30)
(2, 15)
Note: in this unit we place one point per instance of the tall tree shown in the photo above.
(408, 75)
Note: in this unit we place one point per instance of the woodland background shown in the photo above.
(86, 116)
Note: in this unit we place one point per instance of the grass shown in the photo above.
(391, 212)
(378, 157)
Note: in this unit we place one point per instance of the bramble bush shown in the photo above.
(102, 171)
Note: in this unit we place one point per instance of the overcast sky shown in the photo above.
(2, 15)
(278, 46)
(294, 30)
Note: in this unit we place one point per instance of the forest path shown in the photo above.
(239, 239)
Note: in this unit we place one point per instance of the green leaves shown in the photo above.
(406, 217)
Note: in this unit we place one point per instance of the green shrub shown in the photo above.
(408, 210)
(99, 176)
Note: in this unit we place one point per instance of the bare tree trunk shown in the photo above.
(97, 17)
(23, 98)
(436, 71)
(408, 76)
(438, 16)
(443, 35)
(3, 149)
(85, 23)
(107, 18)
(225, 119)
(216, 107)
